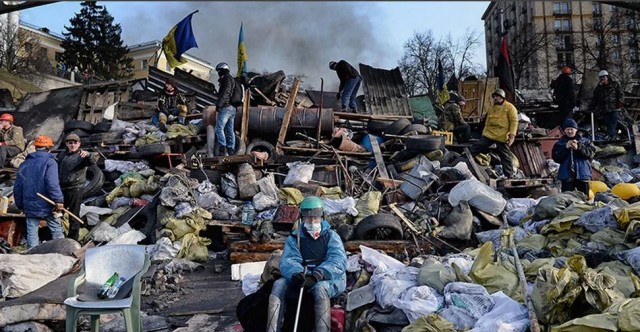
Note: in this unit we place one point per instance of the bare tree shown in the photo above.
(522, 53)
(419, 63)
(21, 53)
(613, 45)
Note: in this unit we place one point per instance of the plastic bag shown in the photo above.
(229, 185)
(129, 237)
(389, 290)
(465, 303)
(419, 301)
(250, 283)
(368, 204)
(298, 171)
(459, 223)
(246, 180)
(612, 178)
(93, 213)
(262, 201)
(507, 315)
(381, 261)
(268, 186)
(353, 263)
(346, 205)
(597, 219)
(180, 266)
(163, 250)
(479, 195)
(515, 216)
(520, 203)
(435, 274)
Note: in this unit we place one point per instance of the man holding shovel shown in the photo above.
(39, 174)
(312, 241)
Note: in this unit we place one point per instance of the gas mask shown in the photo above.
(313, 229)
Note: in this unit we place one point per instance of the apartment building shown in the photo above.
(544, 36)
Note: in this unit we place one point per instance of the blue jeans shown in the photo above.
(54, 224)
(349, 93)
(321, 307)
(224, 128)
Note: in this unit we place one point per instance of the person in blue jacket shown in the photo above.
(39, 174)
(314, 245)
(574, 153)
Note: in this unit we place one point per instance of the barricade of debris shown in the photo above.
(390, 182)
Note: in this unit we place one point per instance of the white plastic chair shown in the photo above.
(131, 262)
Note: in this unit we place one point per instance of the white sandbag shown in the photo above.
(262, 201)
(465, 303)
(250, 284)
(520, 203)
(298, 171)
(129, 237)
(22, 274)
(389, 290)
(163, 250)
(346, 205)
(507, 315)
(381, 261)
(479, 195)
(418, 301)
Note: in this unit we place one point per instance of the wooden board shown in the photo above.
(287, 115)
(377, 154)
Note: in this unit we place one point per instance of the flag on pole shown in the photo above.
(503, 71)
(442, 91)
(179, 39)
(242, 55)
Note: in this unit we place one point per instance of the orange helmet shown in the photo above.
(567, 70)
(6, 117)
(43, 141)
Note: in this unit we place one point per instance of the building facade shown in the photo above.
(544, 36)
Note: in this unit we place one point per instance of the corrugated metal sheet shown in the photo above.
(329, 99)
(204, 91)
(384, 91)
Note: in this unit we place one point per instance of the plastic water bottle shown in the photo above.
(115, 288)
(102, 293)
(248, 213)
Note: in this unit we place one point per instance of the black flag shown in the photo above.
(503, 71)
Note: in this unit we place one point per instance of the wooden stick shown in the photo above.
(287, 115)
(46, 199)
(535, 326)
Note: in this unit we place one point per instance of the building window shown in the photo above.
(560, 42)
(597, 8)
(560, 8)
(144, 64)
(562, 24)
(565, 59)
(615, 38)
(615, 55)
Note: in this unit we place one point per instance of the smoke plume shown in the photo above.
(297, 37)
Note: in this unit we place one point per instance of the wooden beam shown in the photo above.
(636, 137)
(476, 169)
(311, 150)
(245, 117)
(377, 154)
(291, 102)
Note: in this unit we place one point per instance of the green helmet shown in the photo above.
(311, 206)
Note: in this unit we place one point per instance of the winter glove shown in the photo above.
(619, 104)
(338, 95)
(312, 279)
(298, 279)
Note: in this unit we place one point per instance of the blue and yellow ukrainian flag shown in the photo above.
(242, 55)
(178, 41)
(442, 92)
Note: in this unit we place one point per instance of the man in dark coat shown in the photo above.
(564, 94)
(225, 112)
(39, 174)
(72, 172)
(574, 153)
(607, 102)
(349, 84)
(171, 106)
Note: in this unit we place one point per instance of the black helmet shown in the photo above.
(222, 65)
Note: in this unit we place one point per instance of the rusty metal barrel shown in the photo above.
(267, 120)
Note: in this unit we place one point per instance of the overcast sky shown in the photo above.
(297, 37)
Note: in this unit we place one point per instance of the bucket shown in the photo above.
(343, 143)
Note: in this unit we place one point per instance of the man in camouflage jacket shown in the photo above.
(607, 102)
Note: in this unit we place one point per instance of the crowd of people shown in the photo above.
(72, 73)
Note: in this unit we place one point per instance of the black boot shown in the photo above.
(216, 151)
(223, 151)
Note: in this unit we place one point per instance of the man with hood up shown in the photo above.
(171, 106)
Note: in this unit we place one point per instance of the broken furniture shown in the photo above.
(100, 263)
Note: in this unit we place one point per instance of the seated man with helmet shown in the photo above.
(313, 260)
(11, 138)
(500, 130)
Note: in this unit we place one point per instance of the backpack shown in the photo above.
(237, 97)
(252, 310)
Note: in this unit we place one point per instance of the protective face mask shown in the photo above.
(313, 229)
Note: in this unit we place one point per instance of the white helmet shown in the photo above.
(603, 73)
